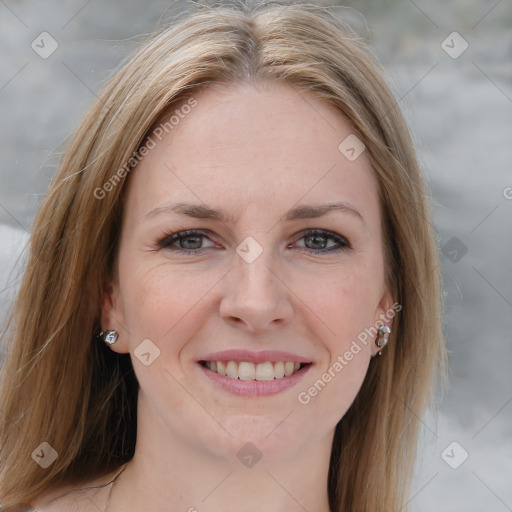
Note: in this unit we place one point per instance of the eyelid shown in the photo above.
(342, 241)
(175, 235)
(167, 239)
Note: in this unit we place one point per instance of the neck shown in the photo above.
(168, 473)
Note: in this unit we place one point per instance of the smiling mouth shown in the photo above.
(245, 370)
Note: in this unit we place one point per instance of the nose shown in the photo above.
(256, 298)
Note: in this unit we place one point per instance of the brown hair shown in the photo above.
(60, 385)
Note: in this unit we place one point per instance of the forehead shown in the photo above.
(267, 147)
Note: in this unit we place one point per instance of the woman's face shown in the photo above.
(250, 172)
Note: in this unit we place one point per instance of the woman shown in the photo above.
(232, 300)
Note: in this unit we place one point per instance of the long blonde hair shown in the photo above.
(60, 386)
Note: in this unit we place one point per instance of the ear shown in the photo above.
(112, 318)
(384, 315)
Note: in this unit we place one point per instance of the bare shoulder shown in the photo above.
(89, 496)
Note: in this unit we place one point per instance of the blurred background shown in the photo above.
(450, 67)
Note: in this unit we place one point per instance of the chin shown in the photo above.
(266, 437)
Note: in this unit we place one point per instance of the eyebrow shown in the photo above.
(199, 211)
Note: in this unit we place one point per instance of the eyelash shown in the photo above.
(168, 239)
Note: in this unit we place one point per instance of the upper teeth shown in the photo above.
(249, 371)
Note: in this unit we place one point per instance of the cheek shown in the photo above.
(162, 305)
(346, 306)
(344, 301)
(162, 302)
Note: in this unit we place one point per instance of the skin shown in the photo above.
(255, 151)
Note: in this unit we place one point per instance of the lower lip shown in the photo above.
(241, 387)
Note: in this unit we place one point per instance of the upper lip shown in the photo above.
(254, 357)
